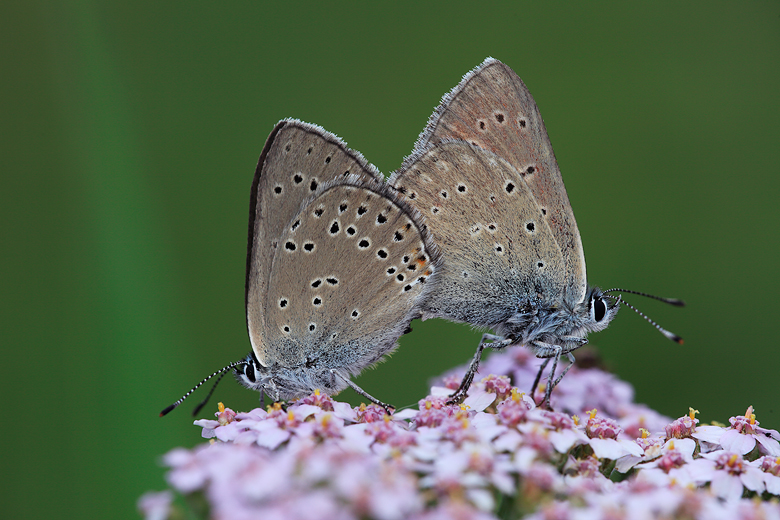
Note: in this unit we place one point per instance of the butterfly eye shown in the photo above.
(249, 372)
(599, 309)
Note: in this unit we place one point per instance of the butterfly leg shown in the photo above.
(558, 379)
(554, 352)
(539, 377)
(496, 342)
(388, 408)
(550, 383)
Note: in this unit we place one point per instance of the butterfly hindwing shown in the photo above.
(346, 278)
(497, 246)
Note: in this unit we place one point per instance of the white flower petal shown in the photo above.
(478, 400)
(407, 413)
(206, 423)
(701, 470)
(769, 445)
(272, 438)
(753, 479)
(305, 410)
(565, 440)
(612, 449)
(344, 411)
(708, 433)
(503, 481)
(772, 484)
(481, 498)
(727, 487)
(685, 446)
(508, 441)
(524, 458)
(156, 505)
(735, 441)
(625, 463)
(441, 391)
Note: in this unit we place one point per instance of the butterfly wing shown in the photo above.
(347, 278)
(296, 160)
(498, 247)
(492, 108)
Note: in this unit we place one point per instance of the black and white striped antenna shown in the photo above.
(221, 373)
(671, 301)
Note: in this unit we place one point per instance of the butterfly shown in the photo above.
(484, 176)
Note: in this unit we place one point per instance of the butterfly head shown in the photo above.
(597, 310)
(284, 383)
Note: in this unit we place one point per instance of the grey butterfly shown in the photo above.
(337, 266)
(484, 176)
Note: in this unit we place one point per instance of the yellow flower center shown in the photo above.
(750, 416)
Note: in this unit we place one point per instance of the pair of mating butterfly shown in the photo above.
(475, 227)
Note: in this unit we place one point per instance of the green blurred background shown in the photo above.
(130, 134)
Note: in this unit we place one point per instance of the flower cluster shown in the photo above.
(498, 455)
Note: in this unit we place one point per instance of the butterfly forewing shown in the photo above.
(297, 159)
(492, 108)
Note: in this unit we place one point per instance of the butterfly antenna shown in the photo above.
(208, 396)
(220, 373)
(619, 299)
(670, 301)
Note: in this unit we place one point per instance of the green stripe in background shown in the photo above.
(105, 283)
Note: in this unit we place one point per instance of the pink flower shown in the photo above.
(603, 434)
(452, 381)
(224, 417)
(155, 505)
(186, 475)
(536, 436)
(634, 418)
(653, 447)
(745, 433)
(370, 413)
(317, 399)
(708, 437)
(601, 427)
(434, 411)
(728, 474)
(454, 510)
(496, 454)
(672, 467)
(682, 427)
(771, 468)
(279, 426)
(564, 434)
(326, 426)
(479, 399)
(587, 467)
(513, 411)
(499, 385)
